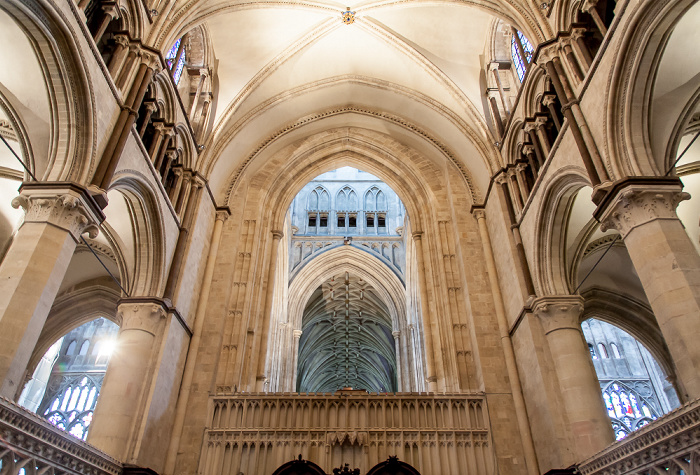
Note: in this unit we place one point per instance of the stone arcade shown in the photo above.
(426, 237)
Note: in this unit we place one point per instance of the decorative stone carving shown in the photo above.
(635, 205)
(559, 312)
(141, 315)
(479, 213)
(54, 451)
(66, 207)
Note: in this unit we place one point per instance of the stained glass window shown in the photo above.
(630, 405)
(520, 62)
(171, 56)
(72, 408)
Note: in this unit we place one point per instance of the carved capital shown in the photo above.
(145, 315)
(65, 206)
(502, 179)
(150, 59)
(637, 204)
(529, 126)
(548, 100)
(121, 40)
(528, 150)
(222, 214)
(541, 121)
(521, 167)
(297, 334)
(559, 312)
(479, 213)
(417, 235)
(277, 234)
(588, 5)
(548, 53)
(396, 334)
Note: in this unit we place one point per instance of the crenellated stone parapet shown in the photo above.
(437, 434)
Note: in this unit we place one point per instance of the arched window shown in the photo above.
(627, 408)
(370, 200)
(602, 350)
(71, 348)
(615, 351)
(593, 353)
(84, 348)
(176, 54)
(381, 201)
(517, 41)
(72, 408)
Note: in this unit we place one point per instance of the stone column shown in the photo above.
(110, 11)
(203, 74)
(175, 190)
(295, 358)
(122, 403)
(577, 35)
(578, 383)
(151, 107)
(507, 346)
(548, 102)
(643, 210)
(186, 385)
(56, 215)
(572, 59)
(397, 348)
(529, 152)
(119, 55)
(589, 6)
(529, 129)
(426, 317)
(540, 123)
(522, 181)
(263, 337)
(494, 69)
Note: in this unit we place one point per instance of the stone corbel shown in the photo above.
(64, 205)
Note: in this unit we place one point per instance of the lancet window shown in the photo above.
(521, 51)
(178, 56)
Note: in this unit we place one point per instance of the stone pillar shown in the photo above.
(494, 69)
(110, 11)
(540, 124)
(529, 129)
(522, 181)
(203, 74)
(175, 190)
(579, 45)
(572, 59)
(295, 358)
(119, 55)
(548, 102)
(56, 215)
(263, 337)
(397, 348)
(186, 385)
(171, 157)
(151, 107)
(643, 210)
(428, 328)
(125, 390)
(160, 130)
(578, 383)
(507, 346)
(589, 6)
(529, 152)
(496, 116)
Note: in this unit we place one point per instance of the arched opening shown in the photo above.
(636, 389)
(67, 380)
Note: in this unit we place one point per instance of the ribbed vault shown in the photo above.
(346, 339)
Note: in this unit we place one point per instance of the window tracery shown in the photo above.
(631, 405)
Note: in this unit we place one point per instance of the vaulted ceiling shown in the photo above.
(346, 339)
(287, 70)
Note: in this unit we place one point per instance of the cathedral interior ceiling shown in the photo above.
(346, 339)
(303, 70)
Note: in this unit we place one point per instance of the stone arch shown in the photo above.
(71, 311)
(632, 316)
(147, 276)
(637, 144)
(549, 266)
(70, 148)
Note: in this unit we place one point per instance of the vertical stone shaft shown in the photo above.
(188, 374)
(425, 315)
(33, 268)
(643, 211)
(580, 390)
(126, 385)
(263, 338)
(507, 345)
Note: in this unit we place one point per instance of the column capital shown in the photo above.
(548, 53)
(417, 235)
(633, 202)
(548, 99)
(479, 213)
(530, 125)
(149, 58)
(541, 121)
(559, 312)
(588, 5)
(222, 213)
(142, 313)
(277, 234)
(396, 334)
(528, 149)
(68, 206)
(297, 334)
(121, 39)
